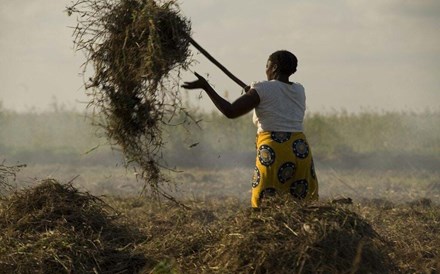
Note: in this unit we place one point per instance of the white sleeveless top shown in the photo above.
(281, 108)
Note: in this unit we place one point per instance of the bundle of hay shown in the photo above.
(286, 238)
(54, 228)
(292, 238)
(136, 48)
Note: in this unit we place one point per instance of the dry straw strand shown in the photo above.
(7, 175)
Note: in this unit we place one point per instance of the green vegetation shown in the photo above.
(366, 140)
(58, 136)
(370, 132)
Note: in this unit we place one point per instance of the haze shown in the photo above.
(353, 55)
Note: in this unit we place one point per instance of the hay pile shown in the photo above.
(134, 47)
(297, 239)
(54, 228)
(289, 238)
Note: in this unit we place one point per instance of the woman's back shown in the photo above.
(281, 107)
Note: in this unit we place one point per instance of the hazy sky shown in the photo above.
(353, 54)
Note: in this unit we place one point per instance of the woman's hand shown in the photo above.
(199, 83)
(241, 106)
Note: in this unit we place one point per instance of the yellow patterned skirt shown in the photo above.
(284, 165)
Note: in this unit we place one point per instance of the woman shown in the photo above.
(284, 163)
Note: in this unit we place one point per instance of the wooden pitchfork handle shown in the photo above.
(220, 66)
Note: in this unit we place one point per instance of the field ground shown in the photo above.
(386, 162)
(396, 186)
(392, 226)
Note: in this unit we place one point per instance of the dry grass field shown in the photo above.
(391, 226)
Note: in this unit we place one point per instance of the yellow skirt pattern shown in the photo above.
(284, 165)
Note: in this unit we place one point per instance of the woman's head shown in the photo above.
(281, 62)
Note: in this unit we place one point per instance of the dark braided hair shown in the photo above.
(286, 61)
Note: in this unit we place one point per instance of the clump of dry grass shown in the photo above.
(133, 45)
(54, 228)
(224, 237)
(293, 238)
(8, 174)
